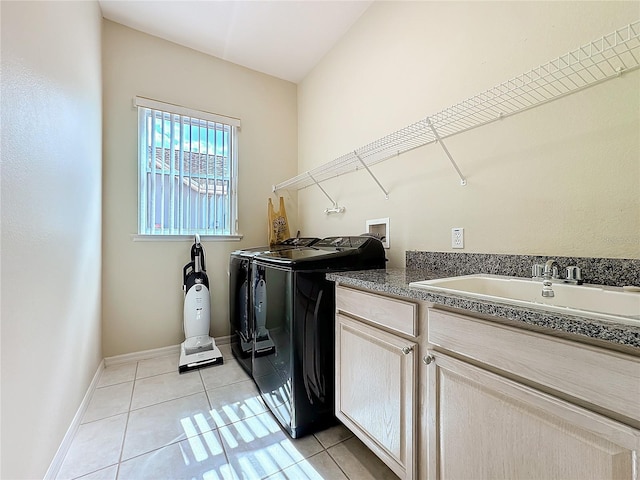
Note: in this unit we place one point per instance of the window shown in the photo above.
(187, 171)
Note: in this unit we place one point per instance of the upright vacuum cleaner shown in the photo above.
(199, 349)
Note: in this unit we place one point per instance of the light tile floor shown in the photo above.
(146, 421)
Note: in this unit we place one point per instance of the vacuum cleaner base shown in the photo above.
(204, 355)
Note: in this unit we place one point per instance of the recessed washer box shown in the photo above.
(379, 227)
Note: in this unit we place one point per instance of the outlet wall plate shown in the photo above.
(457, 237)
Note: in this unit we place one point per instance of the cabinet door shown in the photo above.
(376, 391)
(485, 426)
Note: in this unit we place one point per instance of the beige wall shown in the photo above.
(51, 224)
(142, 281)
(562, 179)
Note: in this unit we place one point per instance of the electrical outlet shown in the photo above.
(457, 238)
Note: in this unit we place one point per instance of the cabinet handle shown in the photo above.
(427, 359)
(407, 350)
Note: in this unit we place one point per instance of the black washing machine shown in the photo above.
(295, 305)
(240, 307)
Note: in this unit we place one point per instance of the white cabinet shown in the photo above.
(486, 424)
(441, 395)
(376, 375)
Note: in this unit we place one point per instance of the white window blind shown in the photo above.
(188, 163)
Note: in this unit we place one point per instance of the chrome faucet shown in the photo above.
(550, 269)
(548, 273)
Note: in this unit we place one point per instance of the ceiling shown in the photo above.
(285, 39)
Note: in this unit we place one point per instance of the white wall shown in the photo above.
(51, 224)
(142, 294)
(563, 179)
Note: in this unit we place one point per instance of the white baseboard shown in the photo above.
(154, 353)
(223, 340)
(56, 463)
(142, 355)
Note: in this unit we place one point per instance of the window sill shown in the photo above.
(181, 238)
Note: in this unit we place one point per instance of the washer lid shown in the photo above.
(331, 253)
(289, 243)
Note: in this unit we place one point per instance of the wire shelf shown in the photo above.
(597, 61)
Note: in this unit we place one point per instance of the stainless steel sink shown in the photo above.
(595, 301)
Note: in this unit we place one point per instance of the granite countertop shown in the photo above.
(618, 336)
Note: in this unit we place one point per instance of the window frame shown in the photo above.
(145, 231)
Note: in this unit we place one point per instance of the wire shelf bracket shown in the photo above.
(335, 208)
(386, 194)
(598, 61)
(463, 181)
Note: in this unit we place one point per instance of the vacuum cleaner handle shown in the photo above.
(185, 273)
(197, 253)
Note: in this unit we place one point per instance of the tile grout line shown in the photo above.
(335, 461)
(126, 425)
(117, 464)
(217, 428)
(326, 450)
(165, 401)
